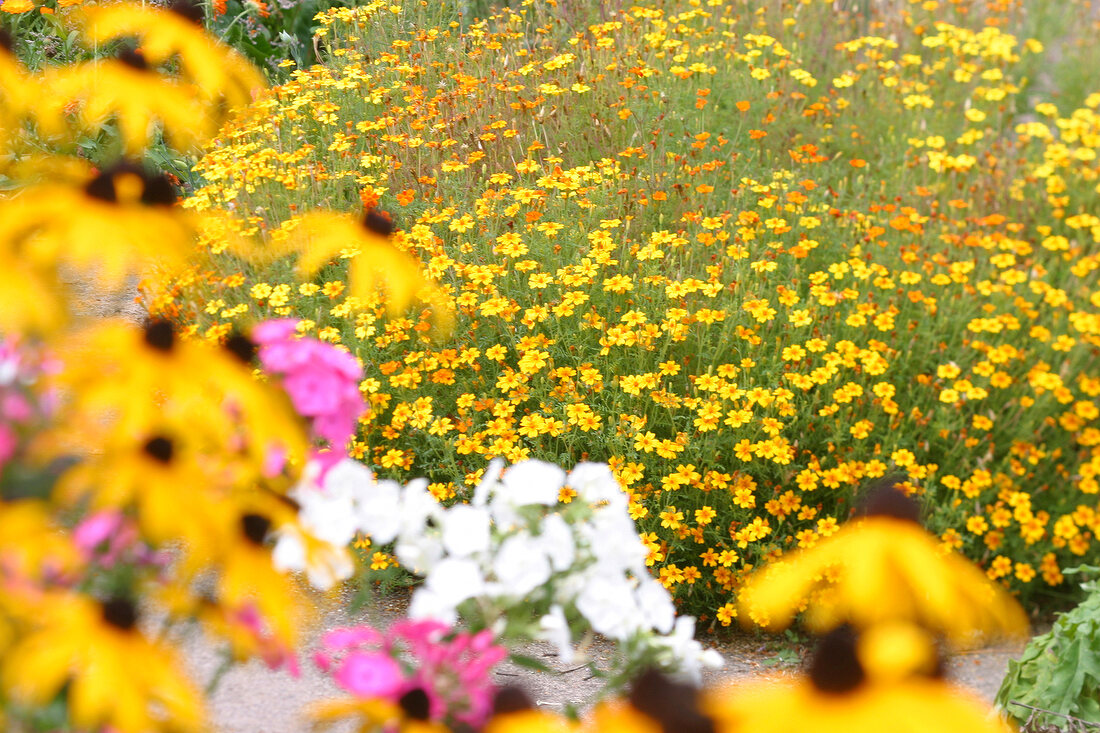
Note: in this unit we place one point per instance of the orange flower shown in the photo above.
(15, 7)
(857, 162)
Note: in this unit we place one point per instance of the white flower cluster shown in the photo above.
(513, 551)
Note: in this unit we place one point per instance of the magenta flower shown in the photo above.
(105, 536)
(370, 675)
(321, 380)
(453, 669)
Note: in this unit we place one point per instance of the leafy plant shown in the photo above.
(1059, 671)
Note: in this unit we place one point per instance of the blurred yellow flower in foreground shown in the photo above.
(883, 567)
(843, 693)
(114, 676)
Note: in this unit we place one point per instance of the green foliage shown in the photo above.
(270, 34)
(1060, 671)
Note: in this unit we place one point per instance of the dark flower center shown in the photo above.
(416, 704)
(188, 10)
(133, 58)
(511, 699)
(120, 613)
(672, 704)
(255, 527)
(159, 448)
(835, 667)
(378, 223)
(159, 334)
(886, 499)
(241, 347)
(156, 189)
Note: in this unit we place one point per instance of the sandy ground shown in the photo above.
(254, 699)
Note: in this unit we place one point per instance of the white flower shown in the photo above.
(554, 628)
(595, 483)
(488, 483)
(417, 507)
(532, 482)
(612, 538)
(557, 541)
(327, 513)
(323, 563)
(465, 530)
(520, 565)
(426, 604)
(452, 581)
(379, 511)
(608, 605)
(656, 606)
(419, 553)
(688, 655)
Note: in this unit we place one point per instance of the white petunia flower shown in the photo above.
(658, 611)
(608, 605)
(521, 565)
(557, 542)
(595, 483)
(466, 530)
(453, 580)
(324, 564)
(379, 511)
(554, 628)
(532, 482)
(687, 654)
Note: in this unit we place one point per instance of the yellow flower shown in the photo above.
(841, 696)
(115, 677)
(219, 73)
(883, 568)
(121, 220)
(376, 262)
(127, 90)
(15, 7)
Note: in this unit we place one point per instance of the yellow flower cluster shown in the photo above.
(673, 245)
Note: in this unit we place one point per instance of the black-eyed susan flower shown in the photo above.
(840, 695)
(135, 382)
(111, 674)
(219, 72)
(248, 581)
(146, 477)
(882, 567)
(29, 296)
(127, 90)
(121, 220)
(376, 260)
(32, 546)
(17, 88)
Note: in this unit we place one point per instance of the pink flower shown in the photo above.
(321, 380)
(104, 536)
(453, 670)
(8, 444)
(274, 653)
(370, 675)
